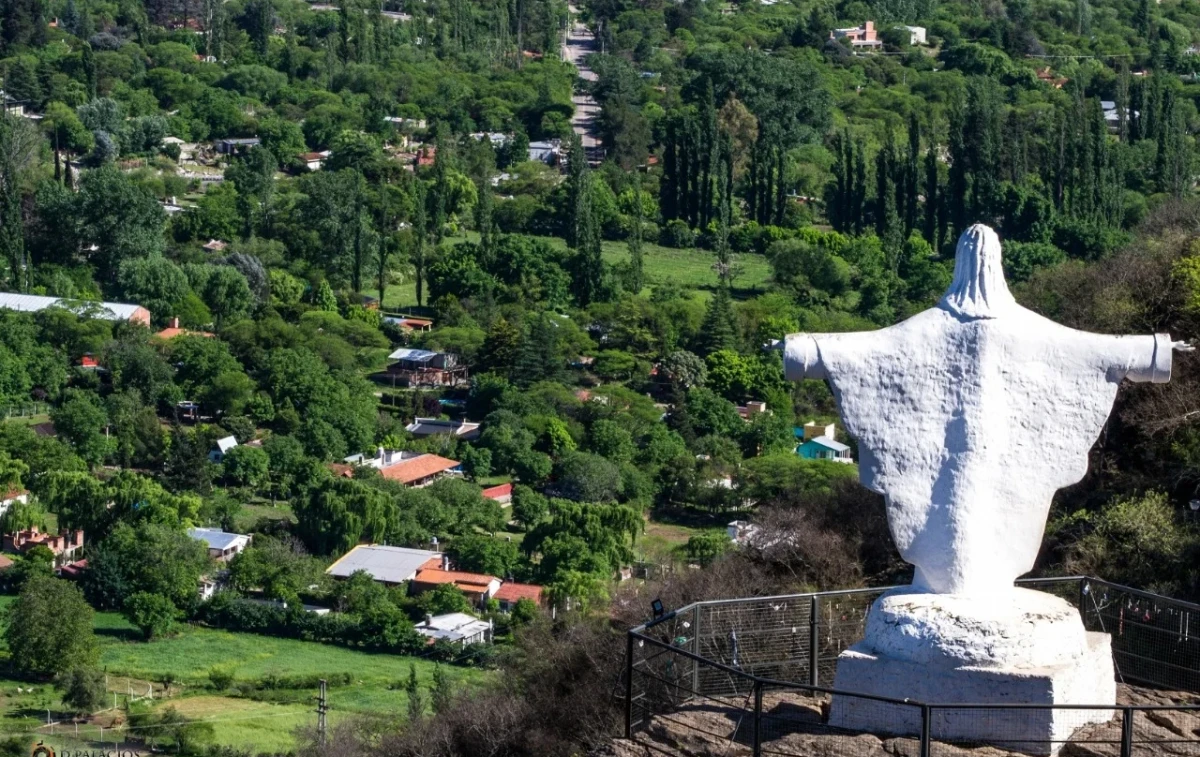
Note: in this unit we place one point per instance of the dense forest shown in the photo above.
(285, 178)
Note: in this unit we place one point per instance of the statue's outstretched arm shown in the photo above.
(801, 357)
(1146, 358)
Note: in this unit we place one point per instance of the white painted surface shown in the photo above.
(1088, 679)
(969, 416)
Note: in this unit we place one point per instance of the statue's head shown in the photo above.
(978, 289)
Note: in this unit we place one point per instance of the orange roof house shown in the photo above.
(173, 330)
(477, 586)
(511, 593)
(420, 471)
(501, 493)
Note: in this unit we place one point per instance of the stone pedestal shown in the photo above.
(1024, 647)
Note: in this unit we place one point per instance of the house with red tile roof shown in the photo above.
(421, 470)
(501, 493)
(510, 593)
(173, 330)
(478, 587)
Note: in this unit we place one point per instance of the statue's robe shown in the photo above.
(969, 426)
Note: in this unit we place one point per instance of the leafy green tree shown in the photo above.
(80, 420)
(122, 218)
(529, 507)
(49, 629)
(339, 513)
(247, 466)
(443, 599)
(706, 547)
(147, 558)
(478, 553)
(153, 614)
(82, 689)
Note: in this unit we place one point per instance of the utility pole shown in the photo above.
(322, 708)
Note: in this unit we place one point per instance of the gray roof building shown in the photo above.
(389, 565)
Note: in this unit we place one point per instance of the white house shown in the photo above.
(10, 498)
(456, 627)
(916, 34)
(218, 452)
(222, 545)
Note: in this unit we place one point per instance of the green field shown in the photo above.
(690, 269)
(246, 716)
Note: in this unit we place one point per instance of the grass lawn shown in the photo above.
(690, 269)
(251, 515)
(261, 720)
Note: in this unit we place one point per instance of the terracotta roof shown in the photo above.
(12, 494)
(465, 581)
(511, 592)
(495, 492)
(173, 331)
(409, 471)
(5, 562)
(341, 469)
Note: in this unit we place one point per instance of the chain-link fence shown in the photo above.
(754, 675)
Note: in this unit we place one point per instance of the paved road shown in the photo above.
(579, 43)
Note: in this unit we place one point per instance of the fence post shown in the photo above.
(1083, 601)
(758, 692)
(629, 685)
(926, 730)
(1127, 732)
(696, 650)
(814, 632)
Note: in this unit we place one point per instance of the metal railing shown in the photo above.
(759, 672)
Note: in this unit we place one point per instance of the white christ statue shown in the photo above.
(970, 415)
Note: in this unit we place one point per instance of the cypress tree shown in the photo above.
(420, 232)
(668, 191)
(637, 276)
(912, 175)
(709, 148)
(780, 186)
(933, 193)
(884, 190)
(859, 197)
(483, 224)
(956, 187)
(88, 63)
(587, 265)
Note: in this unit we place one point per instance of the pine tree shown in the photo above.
(538, 356)
(717, 330)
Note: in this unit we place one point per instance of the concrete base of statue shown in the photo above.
(1022, 647)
